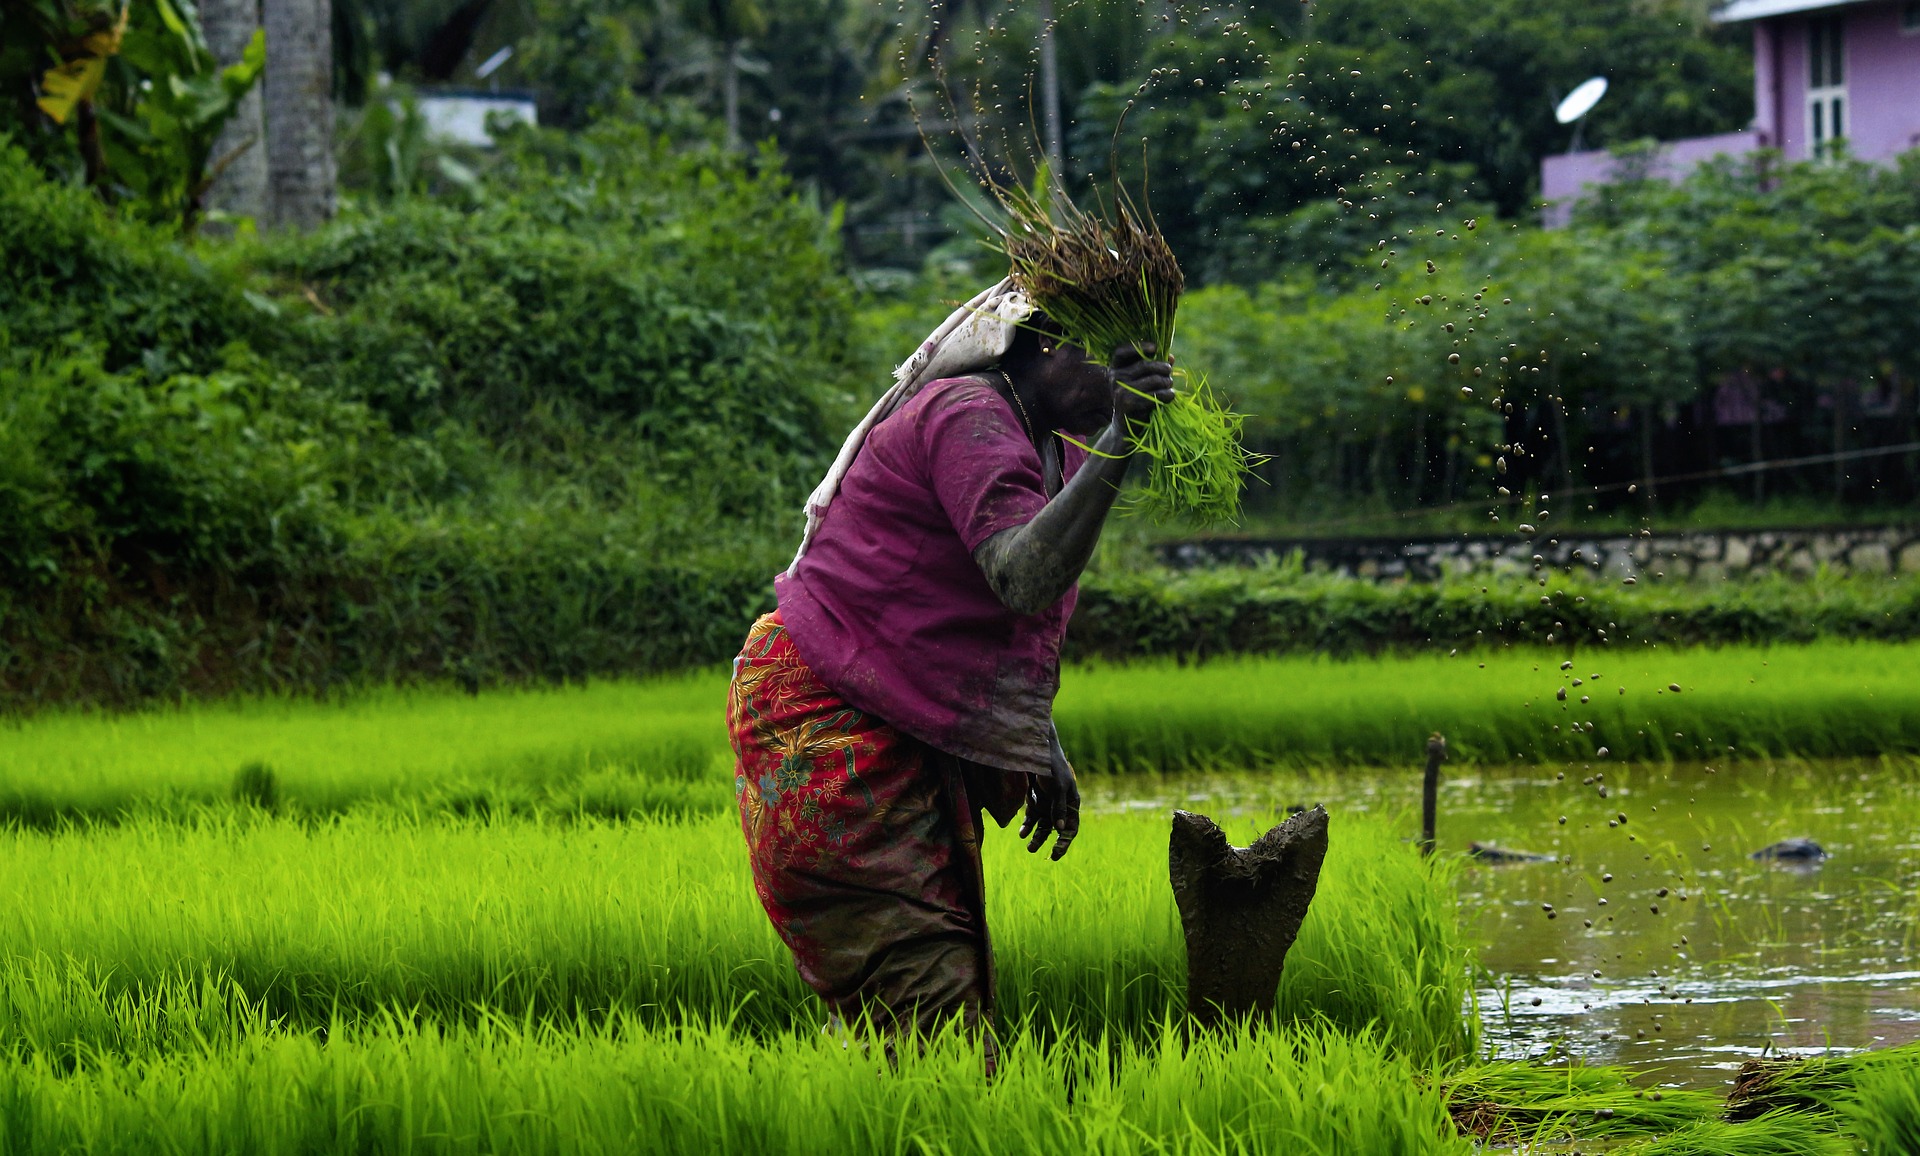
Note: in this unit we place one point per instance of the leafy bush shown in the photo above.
(426, 440)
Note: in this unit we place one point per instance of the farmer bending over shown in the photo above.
(906, 682)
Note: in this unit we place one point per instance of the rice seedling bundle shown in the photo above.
(1109, 281)
(1884, 1109)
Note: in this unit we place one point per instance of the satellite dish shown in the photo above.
(1581, 100)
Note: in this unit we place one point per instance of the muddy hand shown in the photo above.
(1053, 807)
(1140, 385)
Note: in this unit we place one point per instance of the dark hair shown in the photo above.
(1029, 335)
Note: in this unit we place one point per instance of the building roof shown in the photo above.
(1735, 11)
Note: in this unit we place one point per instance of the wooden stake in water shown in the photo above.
(1430, 790)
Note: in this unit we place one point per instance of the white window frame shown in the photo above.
(1827, 109)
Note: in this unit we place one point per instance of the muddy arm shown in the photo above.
(1031, 567)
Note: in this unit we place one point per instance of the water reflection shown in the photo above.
(1652, 939)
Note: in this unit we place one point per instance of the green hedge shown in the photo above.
(1203, 613)
(474, 605)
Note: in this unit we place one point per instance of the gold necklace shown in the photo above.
(1019, 405)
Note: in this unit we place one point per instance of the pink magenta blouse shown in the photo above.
(888, 606)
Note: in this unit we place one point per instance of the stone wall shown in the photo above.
(1695, 554)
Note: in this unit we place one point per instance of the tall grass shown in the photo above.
(658, 745)
(220, 923)
(495, 1087)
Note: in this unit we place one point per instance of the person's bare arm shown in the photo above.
(1031, 567)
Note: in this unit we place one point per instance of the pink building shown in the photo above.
(1822, 70)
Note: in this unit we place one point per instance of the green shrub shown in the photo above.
(1273, 610)
(561, 430)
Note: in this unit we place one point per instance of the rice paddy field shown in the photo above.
(521, 922)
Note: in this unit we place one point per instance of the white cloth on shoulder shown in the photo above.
(973, 337)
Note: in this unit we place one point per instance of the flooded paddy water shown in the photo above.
(1651, 939)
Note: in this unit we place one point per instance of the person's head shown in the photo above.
(1067, 391)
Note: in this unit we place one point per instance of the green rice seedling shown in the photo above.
(1815, 1084)
(313, 921)
(254, 785)
(1545, 1102)
(1774, 1134)
(66, 1013)
(1198, 467)
(1883, 1111)
(523, 748)
(1830, 699)
(659, 746)
(497, 1087)
(1111, 280)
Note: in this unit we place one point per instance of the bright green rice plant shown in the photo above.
(1197, 464)
(624, 1086)
(1884, 1109)
(1814, 1084)
(1506, 1100)
(659, 747)
(309, 922)
(1110, 280)
(1774, 1134)
(1830, 699)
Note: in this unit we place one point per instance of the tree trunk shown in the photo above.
(1050, 94)
(1566, 446)
(240, 190)
(1839, 443)
(1419, 476)
(1648, 490)
(730, 86)
(299, 112)
(1910, 402)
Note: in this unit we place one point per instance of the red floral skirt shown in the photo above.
(865, 850)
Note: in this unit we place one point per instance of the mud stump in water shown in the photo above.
(1241, 908)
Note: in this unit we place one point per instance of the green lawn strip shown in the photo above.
(618, 748)
(208, 923)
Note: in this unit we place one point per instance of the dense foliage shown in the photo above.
(847, 89)
(126, 97)
(1755, 311)
(448, 440)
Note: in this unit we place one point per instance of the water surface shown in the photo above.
(1652, 939)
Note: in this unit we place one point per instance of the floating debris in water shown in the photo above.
(1797, 850)
(1488, 853)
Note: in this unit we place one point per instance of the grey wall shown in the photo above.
(1701, 554)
